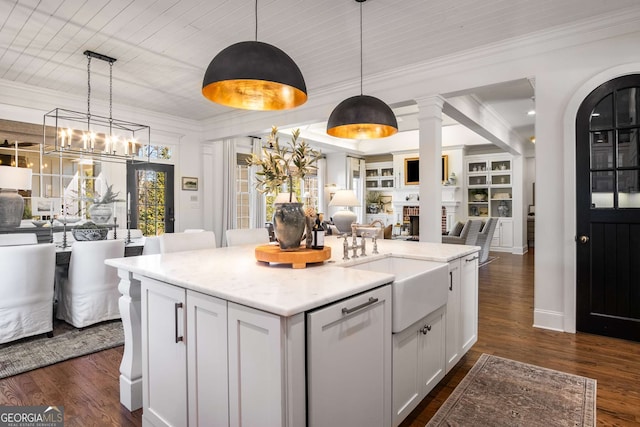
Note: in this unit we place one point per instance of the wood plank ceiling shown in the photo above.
(164, 46)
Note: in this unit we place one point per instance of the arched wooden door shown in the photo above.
(608, 210)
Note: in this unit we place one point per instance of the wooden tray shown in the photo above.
(298, 259)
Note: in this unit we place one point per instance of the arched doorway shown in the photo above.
(608, 210)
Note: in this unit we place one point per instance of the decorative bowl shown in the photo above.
(68, 219)
(479, 197)
(38, 222)
(89, 234)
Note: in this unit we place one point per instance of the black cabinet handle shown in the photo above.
(178, 306)
(451, 280)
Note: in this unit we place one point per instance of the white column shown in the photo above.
(430, 123)
(131, 365)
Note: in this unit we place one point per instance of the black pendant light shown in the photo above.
(362, 116)
(254, 76)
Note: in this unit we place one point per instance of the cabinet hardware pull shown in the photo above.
(372, 300)
(178, 305)
(427, 328)
(472, 259)
(451, 280)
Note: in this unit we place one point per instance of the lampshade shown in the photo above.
(345, 198)
(284, 198)
(13, 178)
(254, 76)
(362, 117)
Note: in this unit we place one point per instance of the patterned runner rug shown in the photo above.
(502, 392)
(67, 342)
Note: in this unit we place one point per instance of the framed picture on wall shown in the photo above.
(412, 170)
(189, 183)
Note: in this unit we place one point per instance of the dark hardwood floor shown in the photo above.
(504, 329)
(87, 387)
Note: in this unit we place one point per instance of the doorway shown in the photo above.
(152, 200)
(608, 210)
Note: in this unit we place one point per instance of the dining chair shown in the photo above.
(246, 236)
(151, 245)
(89, 294)
(193, 230)
(18, 239)
(26, 294)
(468, 234)
(176, 242)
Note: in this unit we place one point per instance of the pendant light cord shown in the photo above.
(110, 98)
(88, 91)
(360, 48)
(256, 15)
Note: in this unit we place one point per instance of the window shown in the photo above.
(243, 215)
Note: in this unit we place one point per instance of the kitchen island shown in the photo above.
(248, 295)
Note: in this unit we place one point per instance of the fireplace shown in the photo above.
(414, 225)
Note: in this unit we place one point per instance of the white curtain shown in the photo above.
(256, 199)
(228, 186)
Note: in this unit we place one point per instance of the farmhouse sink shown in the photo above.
(420, 286)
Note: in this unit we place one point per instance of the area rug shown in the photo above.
(66, 343)
(502, 392)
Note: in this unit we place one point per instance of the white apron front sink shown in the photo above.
(419, 288)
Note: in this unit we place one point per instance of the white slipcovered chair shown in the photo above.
(151, 245)
(246, 236)
(13, 239)
(177, 242)
(89, 294)
(26, 291)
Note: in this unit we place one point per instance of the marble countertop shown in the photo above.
(234, 274)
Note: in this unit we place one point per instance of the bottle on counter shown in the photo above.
(318, 235)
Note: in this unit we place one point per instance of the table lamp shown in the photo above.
(344, 218)
(12, 179)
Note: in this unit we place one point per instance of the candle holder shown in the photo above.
(64, 236)
(51, 229)
(115, 228)
(128, 239)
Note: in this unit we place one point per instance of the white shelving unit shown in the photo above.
(489, 193)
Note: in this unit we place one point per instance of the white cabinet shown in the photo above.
(256, 380)
(207, 360)
(468, 302)
(349, 362)
(452, 345)
(379, 176)
(503, 235)
(164, 355)
(210, 362)
(418, 362)
(462, 308)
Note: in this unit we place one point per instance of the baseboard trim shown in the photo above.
(547, 319)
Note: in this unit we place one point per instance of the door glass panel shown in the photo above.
(151, 201)
(627, 106)
(628, 189)
(601, 150)
(602, 189)
(602, 115)
(628, 147)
